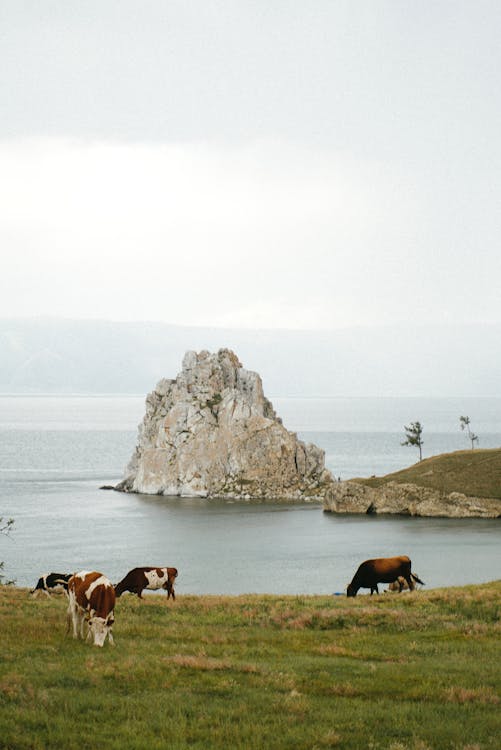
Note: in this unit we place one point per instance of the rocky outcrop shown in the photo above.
(407, 499)
(212, 433)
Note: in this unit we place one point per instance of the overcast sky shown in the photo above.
(251, 163)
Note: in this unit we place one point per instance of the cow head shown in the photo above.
(99, 628)
(351, 590)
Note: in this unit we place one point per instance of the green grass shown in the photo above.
(417, 671)
(476, 473)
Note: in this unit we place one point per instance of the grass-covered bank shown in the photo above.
(476, 473)
(412, 671)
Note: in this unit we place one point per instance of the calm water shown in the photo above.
(56, 452)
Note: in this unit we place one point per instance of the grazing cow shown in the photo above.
(92, 599)
(51, 582)
(139, 579)
(381, 570)
(401, 584)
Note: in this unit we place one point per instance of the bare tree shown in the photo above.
(5, 527)
(413, 436)
(465, 425)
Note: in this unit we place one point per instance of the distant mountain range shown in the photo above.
(67, 356)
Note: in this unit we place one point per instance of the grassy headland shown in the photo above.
(413, 671)
(476, 473)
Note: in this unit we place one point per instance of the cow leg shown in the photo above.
(77, 619)
(83, 623)
(71, 619)
(170, 591)
(410, 582)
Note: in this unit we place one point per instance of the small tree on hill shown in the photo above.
(465, 425)
(5, 527)
(413, 436)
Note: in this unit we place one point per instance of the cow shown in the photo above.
(401, 584)
(92, 600)
(381, 570)
(151, 578)
(51, 582)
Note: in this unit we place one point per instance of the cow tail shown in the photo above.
(418, 580)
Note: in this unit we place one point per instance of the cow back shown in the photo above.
(388, 569)
(92, 592)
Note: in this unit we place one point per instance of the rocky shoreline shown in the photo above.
(407, 499)
(211, 432)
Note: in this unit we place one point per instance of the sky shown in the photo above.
(251, 163)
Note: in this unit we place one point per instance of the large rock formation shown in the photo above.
(407, 499)
(212, 433)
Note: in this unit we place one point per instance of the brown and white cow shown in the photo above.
(92, 600)
(151, 578)
(382, 570)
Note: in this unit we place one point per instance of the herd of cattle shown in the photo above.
(92, 596)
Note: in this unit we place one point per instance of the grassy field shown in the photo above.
(476, 473)
(414, 671)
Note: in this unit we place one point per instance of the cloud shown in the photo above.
(269, 234)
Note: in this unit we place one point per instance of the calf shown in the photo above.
(92, 599)
(401, 584)
(51, 582)
(139, 579)
(381, 570)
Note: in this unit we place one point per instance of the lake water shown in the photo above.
(55, 452)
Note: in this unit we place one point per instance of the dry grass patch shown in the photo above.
(344, 690)
(484, 695)
(330, 739)
(294, 703)
(209, 664)
(13, 687)
(332, 650)
(417, 744)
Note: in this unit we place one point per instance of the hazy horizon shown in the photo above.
(258, 166)
(68, 356)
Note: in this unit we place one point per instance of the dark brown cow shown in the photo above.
(139, 579)
(381, 570)
(92, 599)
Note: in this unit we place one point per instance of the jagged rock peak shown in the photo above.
(211, 432)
